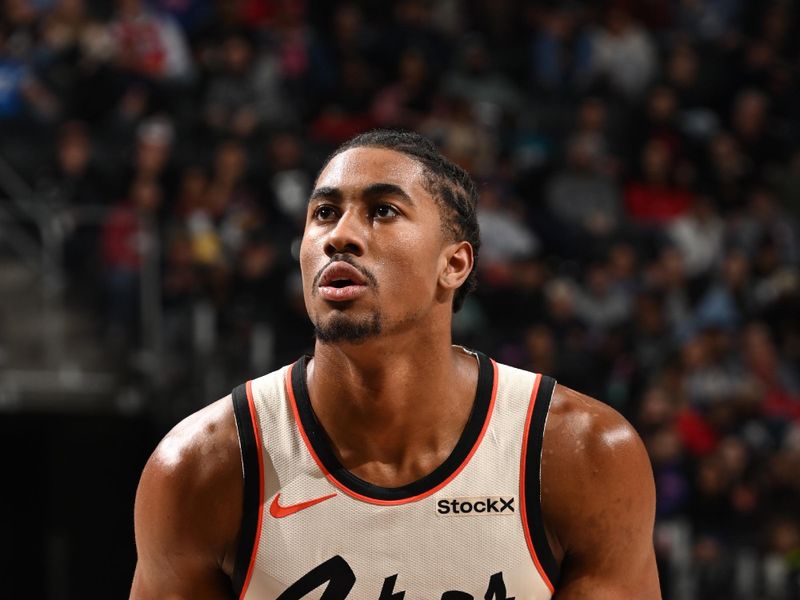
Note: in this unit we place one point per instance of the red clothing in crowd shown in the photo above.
(651, 204)
(121, 235)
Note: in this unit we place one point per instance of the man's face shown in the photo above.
(373, 247)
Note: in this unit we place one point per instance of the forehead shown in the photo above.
(358, 168)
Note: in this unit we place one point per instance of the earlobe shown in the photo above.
(458, 266)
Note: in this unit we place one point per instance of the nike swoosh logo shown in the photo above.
(278, 511)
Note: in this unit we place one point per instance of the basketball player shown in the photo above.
(392, 464)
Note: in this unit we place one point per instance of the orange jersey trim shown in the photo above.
(356, 495)
(523, 511)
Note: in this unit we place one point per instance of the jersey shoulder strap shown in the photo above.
(253, 473)
(530, 480)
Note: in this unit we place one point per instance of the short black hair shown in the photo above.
(450, 185)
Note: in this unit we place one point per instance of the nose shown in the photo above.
(347, 236)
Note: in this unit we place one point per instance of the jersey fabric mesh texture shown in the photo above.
(471, 529)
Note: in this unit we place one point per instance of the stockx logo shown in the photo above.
(484, 505)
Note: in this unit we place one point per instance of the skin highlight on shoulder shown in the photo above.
(188, 507)
(203, 432)
(599, 520)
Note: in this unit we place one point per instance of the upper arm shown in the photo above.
(188, 507)
(601, 517)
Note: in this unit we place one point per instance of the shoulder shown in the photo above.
(598, 498)
(607, 463)
(190, 492)
(200, 449)
(580, 428)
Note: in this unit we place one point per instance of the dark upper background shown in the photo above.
(639, 177)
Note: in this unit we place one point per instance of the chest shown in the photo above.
(460, 532)
(466, 540)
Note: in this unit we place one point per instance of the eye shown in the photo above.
(386, 211)
(324, 213)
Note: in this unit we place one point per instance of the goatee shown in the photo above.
(340, 328)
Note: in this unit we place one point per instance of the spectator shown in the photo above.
(405, 102)
(125, 249)
(412, 26)
(350, 36)
(72, 45)
(191, 192)
(22, 95)
(584, 198)
(149, 44)
(623, 54)
(729, 172)
(592, 124)
(245, 94)
(660, 121)
(710, 21)
(729, 300)
(461, 138)
(696, 89)
(779, 385)
(73, 184)
(598, 303)
(656, 199)
(304, 67)
(560, 51)
(698, 236)
(287, 178)
(764, 221)
(191, 15)
(153, 153)
(487, 92)
(653, 343)
(346, 109)
(750, 126)
(231, 205)
(503, 236)
(666, 276)
(73, 178)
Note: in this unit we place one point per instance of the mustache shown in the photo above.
(346, 258)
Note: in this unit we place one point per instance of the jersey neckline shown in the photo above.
(320, 448)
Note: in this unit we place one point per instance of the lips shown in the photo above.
(341, 282)
(341, 274)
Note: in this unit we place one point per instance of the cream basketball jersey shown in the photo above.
(471, 529)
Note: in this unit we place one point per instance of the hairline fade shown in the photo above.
(451, 187)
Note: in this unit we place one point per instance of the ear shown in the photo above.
(457, 266)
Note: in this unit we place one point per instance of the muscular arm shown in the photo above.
(188, 510)
(600, 518)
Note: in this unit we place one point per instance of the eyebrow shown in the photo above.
(387, 189)
(331, 193)
(373, 190)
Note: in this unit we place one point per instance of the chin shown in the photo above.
(340, 327)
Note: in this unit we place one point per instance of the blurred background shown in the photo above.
(639, 175)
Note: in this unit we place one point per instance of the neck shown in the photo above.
(391, 401)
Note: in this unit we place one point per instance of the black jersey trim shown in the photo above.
(532, 481)
(470, 436)
(251, 500)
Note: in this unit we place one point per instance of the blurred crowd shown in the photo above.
(639, 176)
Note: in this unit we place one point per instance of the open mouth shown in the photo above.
(340, 275)
(341, 283)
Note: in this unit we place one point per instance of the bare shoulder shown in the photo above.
(586, 432)
(200, 449)
(598, 498)
(188, 504)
